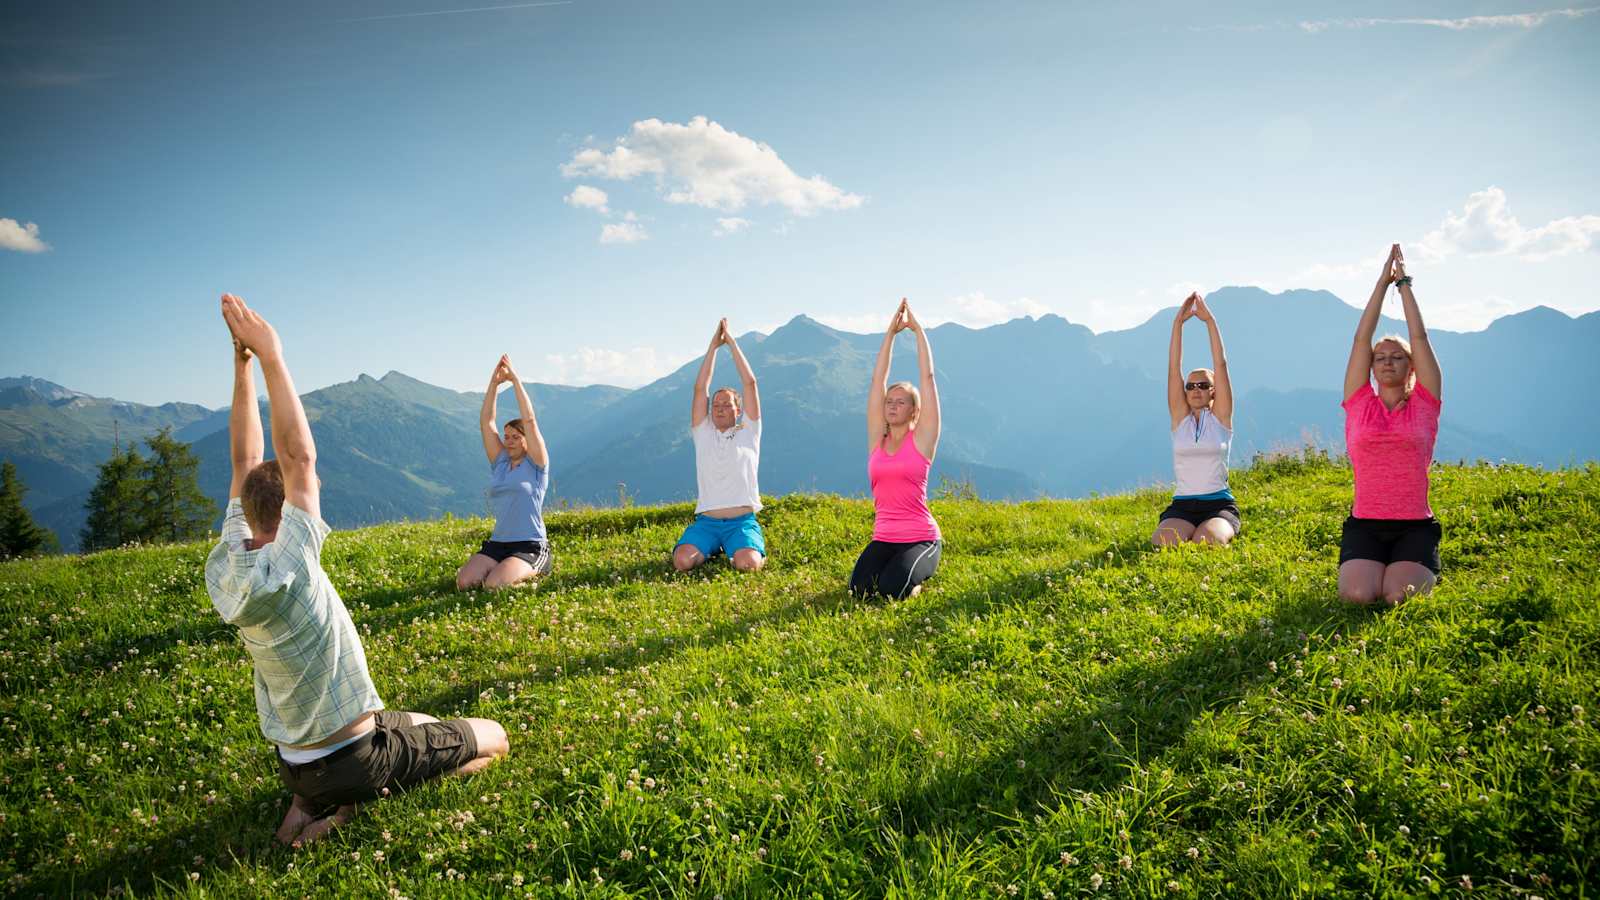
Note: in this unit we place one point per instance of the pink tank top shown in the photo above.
(1390, 451)
(900, 494)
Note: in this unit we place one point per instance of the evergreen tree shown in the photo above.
(115, 502)
(175, 509)
(19, 534)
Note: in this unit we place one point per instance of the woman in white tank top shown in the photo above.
(1202, 509)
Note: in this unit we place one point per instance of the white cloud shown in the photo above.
(1485, 227)
(23, 238)
(858, 323)
(597, 365)
(730, 225)
(978, 311)
(622, 233)
(1180, 291)
(975, 310)
(1517, 20)
(585, 197)
(703, 164)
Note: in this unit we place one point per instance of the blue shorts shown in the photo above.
(710, 535)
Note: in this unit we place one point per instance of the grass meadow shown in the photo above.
(1062, 712)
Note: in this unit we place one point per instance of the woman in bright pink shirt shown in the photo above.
(902, 436)
(1390, 547)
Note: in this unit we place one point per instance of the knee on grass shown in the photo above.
(466, 581)
(1214, 532)
(686, 557)
(748, 560)
(1359, 594)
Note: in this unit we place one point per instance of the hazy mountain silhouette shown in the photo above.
(1030, 406)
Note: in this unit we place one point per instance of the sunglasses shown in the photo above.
(1197, 385)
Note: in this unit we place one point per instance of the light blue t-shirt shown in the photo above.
(516, 496)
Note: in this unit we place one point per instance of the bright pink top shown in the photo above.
(1390, 451)
(900, 494)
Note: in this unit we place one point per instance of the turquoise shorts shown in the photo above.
(711, 536)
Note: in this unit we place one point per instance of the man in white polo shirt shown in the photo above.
(727, 453)
(337, 745)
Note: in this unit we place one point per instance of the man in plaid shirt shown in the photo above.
(337, 745)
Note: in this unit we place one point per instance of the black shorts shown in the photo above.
(395, 755)
(1391, 541)
(534, 553)
(1197, 511)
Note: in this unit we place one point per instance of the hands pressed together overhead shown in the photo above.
(1194, 306)
(904, 319)
(251, 334)
(1394, 268)
(503, 371)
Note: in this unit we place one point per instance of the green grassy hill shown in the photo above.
(1061, 711)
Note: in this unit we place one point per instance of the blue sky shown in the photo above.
(406, 185)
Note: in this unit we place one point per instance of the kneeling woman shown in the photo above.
(1390, 547)
(519, 472)
(1201, 405)
(902, 436)
(727, 453)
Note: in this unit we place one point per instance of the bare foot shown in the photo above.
(321, 827)
(295, 820)
(915, 591)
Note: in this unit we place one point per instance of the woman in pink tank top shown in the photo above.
(1390, 547)
(902, 436)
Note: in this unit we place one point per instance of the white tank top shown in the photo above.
(1200, 456)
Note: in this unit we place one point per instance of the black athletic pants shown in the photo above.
(894, 569)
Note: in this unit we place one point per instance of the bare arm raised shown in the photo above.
(492, 447)
(1357, 373)
(1176, 404)
(245, 440)
(291, 433)
(537, 451)
(1222, 401)
(927, 434)
(1423, 362)
(747, 377)
(702, 382)
(880, 378)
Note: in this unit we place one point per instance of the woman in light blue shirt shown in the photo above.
(519, 473)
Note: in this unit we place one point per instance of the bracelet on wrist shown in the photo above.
(1403, 281)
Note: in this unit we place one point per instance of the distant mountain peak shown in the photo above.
(47, 390)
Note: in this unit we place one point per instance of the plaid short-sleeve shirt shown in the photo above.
(310, 671)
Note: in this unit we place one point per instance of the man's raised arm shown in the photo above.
(291, 433)
(244, 419)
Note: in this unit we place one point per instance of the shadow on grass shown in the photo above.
(1152, 709)
(634, 654)
(232, 833)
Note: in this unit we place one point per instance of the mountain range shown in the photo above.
(1031, 406)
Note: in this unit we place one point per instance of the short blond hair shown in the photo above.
(1403, 344)
(1396, 339)
(725, 390)
(913, 393)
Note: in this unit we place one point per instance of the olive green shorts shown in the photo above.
(391, 757)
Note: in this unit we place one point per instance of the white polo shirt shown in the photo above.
(725, 464)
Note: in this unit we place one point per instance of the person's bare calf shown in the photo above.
(492, 744)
